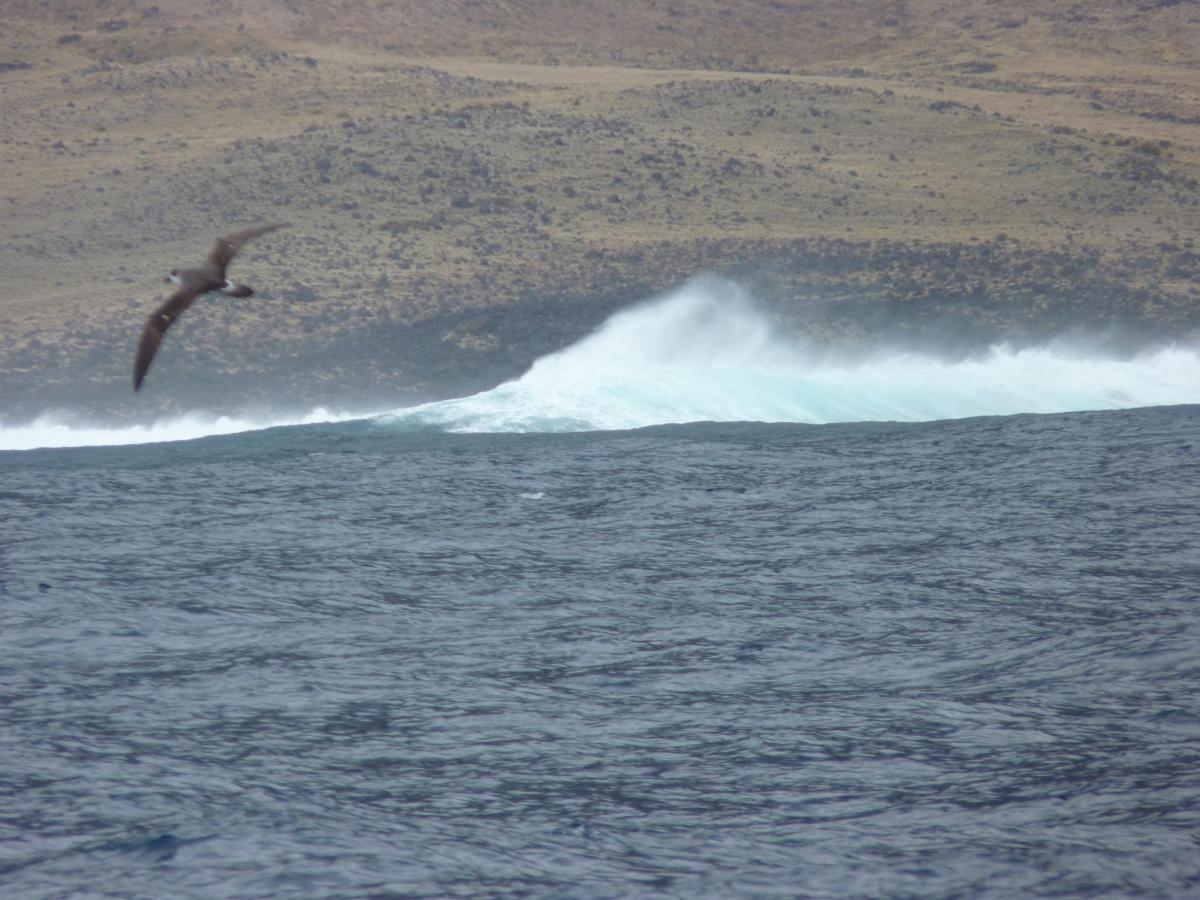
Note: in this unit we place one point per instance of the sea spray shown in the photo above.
(705, 353)
(55, 430)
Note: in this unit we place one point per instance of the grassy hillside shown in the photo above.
(475, 183)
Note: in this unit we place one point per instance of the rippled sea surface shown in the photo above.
(957, 658)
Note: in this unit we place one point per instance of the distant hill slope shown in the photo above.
(772, 34)
(475, 183)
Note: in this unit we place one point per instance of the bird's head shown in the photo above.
(173, 277)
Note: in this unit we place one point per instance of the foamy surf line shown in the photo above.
(704, 353)
(54, 431)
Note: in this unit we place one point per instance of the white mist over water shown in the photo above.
(52, 430)
(703, 353)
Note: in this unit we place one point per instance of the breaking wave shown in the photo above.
(54, 430)
(704, 353)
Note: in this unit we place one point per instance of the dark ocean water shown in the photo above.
(942, 659)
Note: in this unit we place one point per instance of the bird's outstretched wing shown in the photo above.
(227, 246)
(156, 326)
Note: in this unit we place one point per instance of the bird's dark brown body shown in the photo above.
(206, 278)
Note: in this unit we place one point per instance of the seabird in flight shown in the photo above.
(192, 283)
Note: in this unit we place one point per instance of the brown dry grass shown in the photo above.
(445, 161)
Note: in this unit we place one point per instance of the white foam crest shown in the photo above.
(57, 430)
(704, 353)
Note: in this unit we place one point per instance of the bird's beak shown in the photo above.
(167, 280)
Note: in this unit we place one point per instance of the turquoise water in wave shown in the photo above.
(704, 354)
(482, 648)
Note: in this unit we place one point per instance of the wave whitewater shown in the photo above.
(53, 430)
(704, 353)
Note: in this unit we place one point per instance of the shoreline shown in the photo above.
(462, 212)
